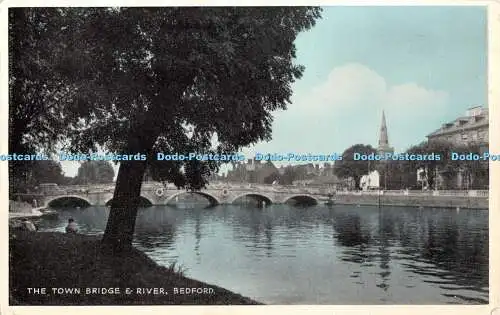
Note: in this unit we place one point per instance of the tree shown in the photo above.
(35, 173)
(95, 172)
(475, 173)
(47, 172)
(348, 167)
(432, 167)
(37, 94)
(150, 80)
(391, 174)
(289, 175)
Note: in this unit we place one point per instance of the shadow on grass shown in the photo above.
(57, 260)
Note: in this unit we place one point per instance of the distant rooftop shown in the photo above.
(475, 117)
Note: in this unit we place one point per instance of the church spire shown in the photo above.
(383, 142)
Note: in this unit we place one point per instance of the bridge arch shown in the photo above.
(51, 202)
(144, 202)
(260, 196)
(303, 199)
(211, 198)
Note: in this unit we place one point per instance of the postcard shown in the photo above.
(265, 157)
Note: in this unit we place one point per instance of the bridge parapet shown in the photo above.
(158, 194)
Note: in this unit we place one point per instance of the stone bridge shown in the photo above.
(158, 194)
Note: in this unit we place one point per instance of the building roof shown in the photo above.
(461, 124)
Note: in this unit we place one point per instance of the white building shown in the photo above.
(370, 181)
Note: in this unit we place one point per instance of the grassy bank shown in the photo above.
(56, 260)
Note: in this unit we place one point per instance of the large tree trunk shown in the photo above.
(120, 228)
(122, 216)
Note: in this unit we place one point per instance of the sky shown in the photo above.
(423, 66)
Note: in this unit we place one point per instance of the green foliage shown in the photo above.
(289, 175)
(402, 174)
(175, 77)
(47, 172)
(395, 175)
(431, 167)
(348, 167)
(35, 173)
(293, 173)
(95, 172)
(475, 173)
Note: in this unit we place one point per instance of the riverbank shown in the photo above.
(451, 202)
(56, 260)
(19, 206)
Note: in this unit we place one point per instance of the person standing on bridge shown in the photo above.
(71, 227)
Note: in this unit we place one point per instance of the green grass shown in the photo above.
(57, 260)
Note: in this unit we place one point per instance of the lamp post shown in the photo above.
(385, 175)
(379, 198)
(435, 178)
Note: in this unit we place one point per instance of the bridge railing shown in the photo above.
(257, 188)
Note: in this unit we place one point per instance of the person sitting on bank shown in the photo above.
(27, 225)
(71, 227)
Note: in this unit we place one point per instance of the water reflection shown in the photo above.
(317, 255)
(153, 230)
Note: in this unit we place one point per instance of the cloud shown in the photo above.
(354, 86)
(347, 86)
(415, 99)
(346, 109)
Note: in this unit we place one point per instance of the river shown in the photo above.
(283, 254)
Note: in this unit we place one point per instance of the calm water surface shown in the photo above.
(316, 255)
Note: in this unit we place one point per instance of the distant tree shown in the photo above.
(289, 175)
(475, 173)
(348, 167)
(252, 176)
(95, 172)
(35, 173)
(432, 167)
(293, 173)
(390, 175)
(47, 172)
(147, 80)
(480, 176)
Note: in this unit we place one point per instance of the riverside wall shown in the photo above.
(415, 201)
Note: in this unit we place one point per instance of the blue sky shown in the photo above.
(422, 65)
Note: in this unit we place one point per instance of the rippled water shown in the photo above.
(317, 255)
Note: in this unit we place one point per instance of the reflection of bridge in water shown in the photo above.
(157, 194)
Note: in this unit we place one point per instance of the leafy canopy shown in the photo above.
(95, 172)
(348, 167)
(197, 79)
